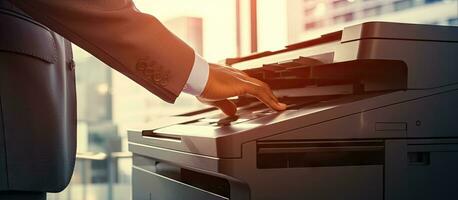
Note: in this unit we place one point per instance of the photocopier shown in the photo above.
(372, 114)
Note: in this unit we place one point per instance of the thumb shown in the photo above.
(227, 106)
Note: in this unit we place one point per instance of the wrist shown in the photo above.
(198, 77)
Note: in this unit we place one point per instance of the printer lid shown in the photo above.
(400, 31)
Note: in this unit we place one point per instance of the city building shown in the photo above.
(311, 18)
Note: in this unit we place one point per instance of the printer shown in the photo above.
(372, 114)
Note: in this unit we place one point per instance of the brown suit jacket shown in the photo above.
(133, 43)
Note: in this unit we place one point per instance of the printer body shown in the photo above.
(371, 115)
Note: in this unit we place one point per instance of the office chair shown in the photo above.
(37, 108)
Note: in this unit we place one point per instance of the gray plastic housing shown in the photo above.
(400, 144)
(428, 50)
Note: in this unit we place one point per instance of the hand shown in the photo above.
(224, 82)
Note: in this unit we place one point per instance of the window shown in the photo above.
(309, 11)
(374, 11)
(432, 1)
(312, 25)
(453, 21)
(343, 18)
(434, 23)
(402, 5)
(339, 3)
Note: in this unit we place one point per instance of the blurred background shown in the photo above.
(109, 103)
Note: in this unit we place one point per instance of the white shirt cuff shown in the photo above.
(198, 77)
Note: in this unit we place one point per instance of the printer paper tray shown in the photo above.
(166, 188)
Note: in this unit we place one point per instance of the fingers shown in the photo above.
(262, 92)
(228, 107)
(267, 88)
(227, 82)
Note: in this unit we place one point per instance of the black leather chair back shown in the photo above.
(37, 105)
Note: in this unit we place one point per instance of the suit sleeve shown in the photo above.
(133, 43)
